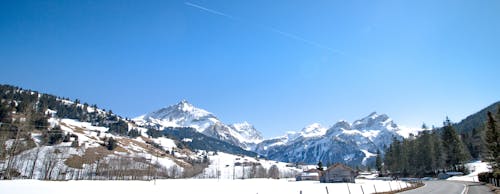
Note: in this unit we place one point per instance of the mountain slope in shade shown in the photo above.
(476, 120)
(184, 114)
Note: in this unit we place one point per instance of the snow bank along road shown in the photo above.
(196, 186)
(450, 187)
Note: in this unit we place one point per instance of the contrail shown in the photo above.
(277, 31)
(209, 10)
(296, 37)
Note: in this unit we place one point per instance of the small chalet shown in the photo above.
(309, 175)
(338, 173)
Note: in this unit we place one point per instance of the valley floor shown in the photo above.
(197, 186)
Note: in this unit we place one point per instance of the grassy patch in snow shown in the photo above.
(90, 156)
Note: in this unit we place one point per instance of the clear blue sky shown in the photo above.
(279, 65)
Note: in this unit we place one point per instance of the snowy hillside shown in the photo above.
(83, 155)
(228, 166)
(184, 114)
(51, 138)
(354, 143)
(475, 168)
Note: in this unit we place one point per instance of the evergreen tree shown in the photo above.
(67, 138)
(154, 133)
(393, 157)
(54, 136)
(438, 156)
(378, 161)
(120, 127)
(320, 166)
(74, 144)
(453, 148)
(409, 156)
(4, 113)
(423, 159)
(111, 145)
(39, 121)
(424, 126)
(492, 139)
(133, 133)
(477, 144)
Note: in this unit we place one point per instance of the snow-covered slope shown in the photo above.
(184, 114)
(79, 156)
(354, 143)
(245, 132)
(475, 168)
(229, 166)
(312, 130)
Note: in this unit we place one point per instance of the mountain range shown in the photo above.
(352, 143)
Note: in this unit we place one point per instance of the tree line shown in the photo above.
(444, 149)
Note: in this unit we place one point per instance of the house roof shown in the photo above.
(340, 165)
(313, 170)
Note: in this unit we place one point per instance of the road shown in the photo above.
(450, 187)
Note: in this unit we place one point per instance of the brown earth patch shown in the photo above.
(90, 156)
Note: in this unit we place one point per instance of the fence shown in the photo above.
(366, 188)
(495, 182)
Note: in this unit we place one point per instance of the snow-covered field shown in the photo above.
(196, 186)
(475, 168)
(223, 164)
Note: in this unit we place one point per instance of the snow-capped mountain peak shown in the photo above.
(244, 124)
(313, 130)
(184, 114)
(246, 132)
(181, 109)
(374, 121)
(185, 106)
